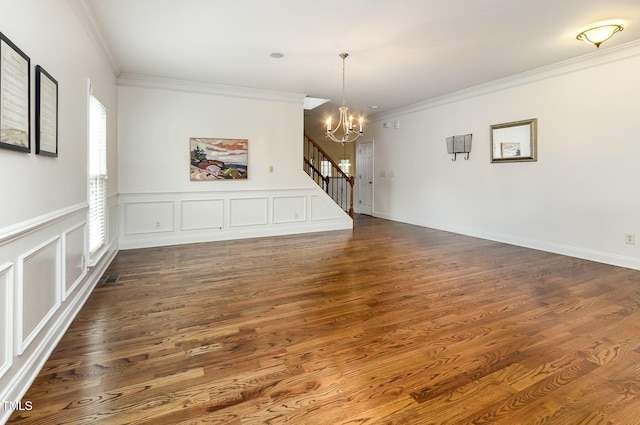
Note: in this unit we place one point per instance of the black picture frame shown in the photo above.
(15, 97)
(46, 113)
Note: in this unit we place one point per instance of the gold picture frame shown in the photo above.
(515, 141)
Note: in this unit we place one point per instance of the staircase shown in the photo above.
(324, 171)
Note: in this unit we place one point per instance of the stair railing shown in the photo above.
(328, 175)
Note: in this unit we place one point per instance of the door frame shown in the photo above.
(358, 185)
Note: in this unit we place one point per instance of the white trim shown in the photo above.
(183, 225)
(334, 218)
(29, 370)
(21, 229)
(6, 274)
(596, 58)
(322, 195)
(236, 233)
(299, 219)
(23, 343)
(170, 202)
(88, 22)
(570, 251)
(358, 180)
(74, 285)
(215, 194)
(132, 80)
(264, 220)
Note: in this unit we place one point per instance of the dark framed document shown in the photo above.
(46, 113)
(15, 94)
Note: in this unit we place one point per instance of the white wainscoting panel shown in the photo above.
(289, 209)
(6, 317)
(38, 293)
(321, 210)
(248, 211)
(112, 206)
(149, 217)
(224, 215)
(202, 214)
(41, 262)
(74, 264)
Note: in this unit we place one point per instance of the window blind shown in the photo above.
(97, 175)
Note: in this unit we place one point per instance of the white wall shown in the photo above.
(43, 278)
(159, 205)
(580, 198)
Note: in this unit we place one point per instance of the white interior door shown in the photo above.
(364, 169)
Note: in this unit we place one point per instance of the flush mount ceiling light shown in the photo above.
(346, 121)
(599, 34)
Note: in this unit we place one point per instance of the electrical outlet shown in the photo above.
(630, 239)
(158, 224)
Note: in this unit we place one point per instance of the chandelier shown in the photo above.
(345, 123)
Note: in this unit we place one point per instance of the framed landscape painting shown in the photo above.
(218, 159)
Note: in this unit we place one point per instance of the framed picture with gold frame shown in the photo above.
(515, 141)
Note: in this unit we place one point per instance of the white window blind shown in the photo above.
(97, 175)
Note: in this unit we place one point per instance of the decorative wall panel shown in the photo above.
(113, 217)
(73, 258)
(6, 317)
(248, 211)
(320, 210)
(289, 209)
(201, 214)
(38, 293)
(149, 217)
(223, 215)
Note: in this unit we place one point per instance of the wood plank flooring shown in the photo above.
(388, 324)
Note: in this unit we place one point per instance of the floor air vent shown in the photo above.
(111, 279)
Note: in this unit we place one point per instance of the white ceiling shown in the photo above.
(401, 51)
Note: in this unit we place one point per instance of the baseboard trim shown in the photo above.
(25, 376)
(567, 250)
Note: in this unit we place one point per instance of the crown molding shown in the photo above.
(134, 80)
(88, 22)
(590, 60)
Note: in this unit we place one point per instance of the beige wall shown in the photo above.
(159, 205)
(580, 198)
(44, 278)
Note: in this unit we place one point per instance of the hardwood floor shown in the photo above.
(388, 324)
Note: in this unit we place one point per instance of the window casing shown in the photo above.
(97, 177)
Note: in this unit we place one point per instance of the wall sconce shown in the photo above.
(459, 144)
(600, 34)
